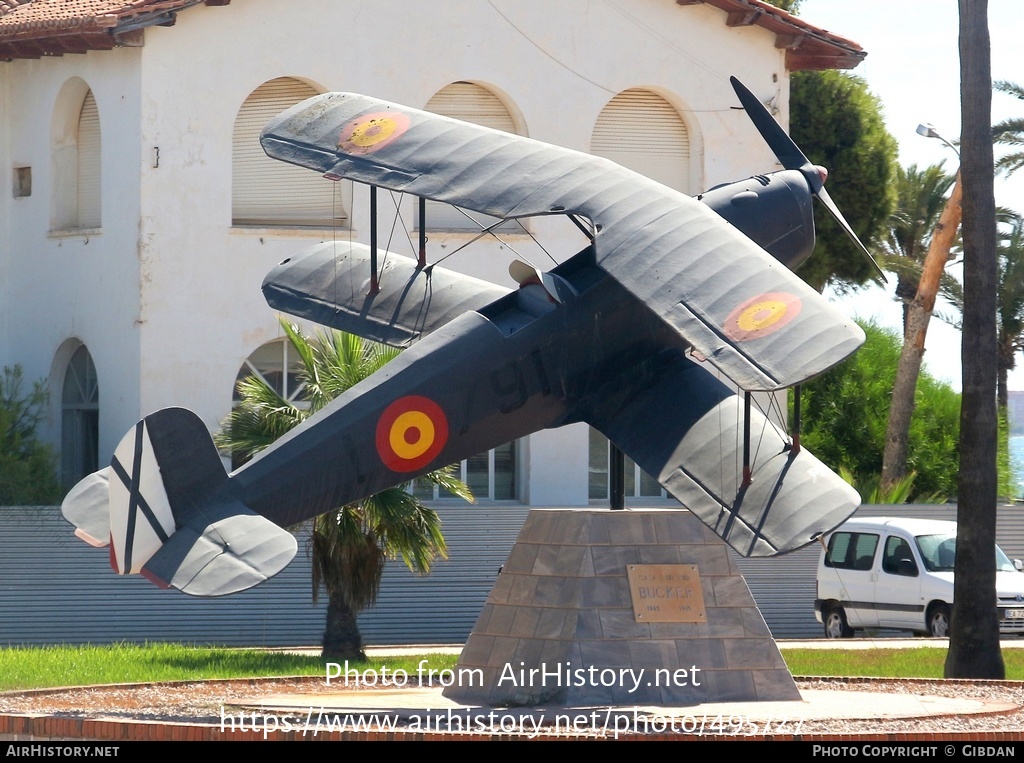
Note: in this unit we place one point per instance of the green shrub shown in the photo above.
(27, 466)
(845, 412)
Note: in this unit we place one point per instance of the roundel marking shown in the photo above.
(411, 433)
(762, 315)
(371, 132)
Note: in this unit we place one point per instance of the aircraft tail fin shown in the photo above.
(170, 514)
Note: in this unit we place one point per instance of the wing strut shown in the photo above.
(796, 419)
(421, 261)
(747, 476)
(374, 283)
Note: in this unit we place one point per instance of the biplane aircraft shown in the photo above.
(621, 335)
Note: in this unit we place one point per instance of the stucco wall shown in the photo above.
(167, 295)
(75, 285)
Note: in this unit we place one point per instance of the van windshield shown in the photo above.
(938, 552)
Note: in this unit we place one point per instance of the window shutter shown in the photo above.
(89, 164)
(265, 191)
(472, 103)
(642, 131)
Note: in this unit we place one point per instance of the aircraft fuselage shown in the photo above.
(484, 379)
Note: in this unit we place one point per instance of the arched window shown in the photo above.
(77, 160)
(473, 103)
(279, 366)
(80, 418)
(266, 191)
(642, 131)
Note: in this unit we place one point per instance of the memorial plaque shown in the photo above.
(666, 593)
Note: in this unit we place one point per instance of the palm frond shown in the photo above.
(1009, 132)
(1010, 163)
(406, 528)
(447, 481)
(260, 418)
(920, 198)
(1010, 88)
(871, 492)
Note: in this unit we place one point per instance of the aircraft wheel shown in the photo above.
(836, 625)
(938, 621)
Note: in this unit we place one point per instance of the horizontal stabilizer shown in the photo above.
(329, 284)
(236, 550)
(687, 430)
(87, 507)
(165, 504)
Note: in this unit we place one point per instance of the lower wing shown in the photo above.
(687, 431)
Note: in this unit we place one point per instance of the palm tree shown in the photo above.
(1009, 300)
(917, 312)
(350, 544)
(920, 198)
(1010, 132)
(1010, 339)
(974, 631)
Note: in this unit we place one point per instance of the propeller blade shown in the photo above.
(830, 205)
(785, 149)
(792, 158)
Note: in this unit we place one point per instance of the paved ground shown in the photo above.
(817, 704)
(864, 710)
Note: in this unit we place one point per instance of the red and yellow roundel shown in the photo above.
(762, 315)
(371, 132)
(411, 433)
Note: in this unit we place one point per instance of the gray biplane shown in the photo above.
(620, 335)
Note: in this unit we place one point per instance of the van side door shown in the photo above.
(898, 589)
(849, 575)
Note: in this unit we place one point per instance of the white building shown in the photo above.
(143, 216)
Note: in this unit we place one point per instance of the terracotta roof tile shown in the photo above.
(807, 46)
(31, 28)
(18, 15)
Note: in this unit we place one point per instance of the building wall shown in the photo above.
(76, 284)
(166, 296)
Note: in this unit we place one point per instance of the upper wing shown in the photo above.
(738, 307)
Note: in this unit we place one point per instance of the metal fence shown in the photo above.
(55, 589)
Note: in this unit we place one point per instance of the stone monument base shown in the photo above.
(559, 625)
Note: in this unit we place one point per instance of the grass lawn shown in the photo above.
(40, 667)
(925, 662)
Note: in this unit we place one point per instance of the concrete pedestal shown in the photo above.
(561, 608)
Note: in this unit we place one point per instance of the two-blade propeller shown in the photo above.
(792, 158)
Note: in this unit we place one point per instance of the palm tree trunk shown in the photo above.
(974, 632)
(918, 314)
(342, 640)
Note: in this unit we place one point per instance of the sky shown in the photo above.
(913, 67)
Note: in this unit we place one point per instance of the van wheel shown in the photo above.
(938, 621)
(835, 624)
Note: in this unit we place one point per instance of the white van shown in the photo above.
(898, 573)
